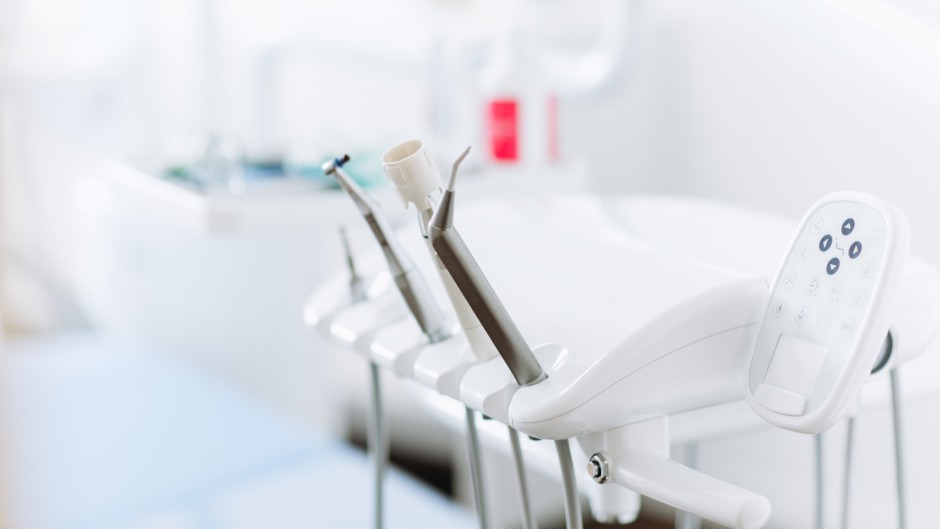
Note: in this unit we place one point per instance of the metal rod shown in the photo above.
(847, 476)
(684, 519)
(572, 502)
(898, 449)
(377, 442)
(528, 516)
(476, 470)
(818, 445)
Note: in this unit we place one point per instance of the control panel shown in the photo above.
(829, 312)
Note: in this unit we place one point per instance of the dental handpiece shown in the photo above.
(417, 181)
(414, 290)
(476, 289)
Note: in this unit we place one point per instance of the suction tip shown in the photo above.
(454, 168)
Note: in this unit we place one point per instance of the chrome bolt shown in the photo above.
(598, 469)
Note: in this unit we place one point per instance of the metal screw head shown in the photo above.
(598, 468)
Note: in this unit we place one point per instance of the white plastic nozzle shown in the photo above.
(412, 173)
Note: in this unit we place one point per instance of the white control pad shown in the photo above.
(828, 312)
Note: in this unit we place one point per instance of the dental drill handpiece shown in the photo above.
(416, 180)
(430, 318)
(357, 287)
(473, 284)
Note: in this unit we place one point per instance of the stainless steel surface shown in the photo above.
(476, 289)
(572, 501)
(847, 469)
(413, 289)
(378, 448)
(818, 459)
(357, 287)
(476, 470)
(528, 516)
(898, 448)
(598, 468)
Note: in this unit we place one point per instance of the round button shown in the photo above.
(835, 292)
(812, 286)
(848, 327)
(832, 266)
(855, 250)
(790, 280)
(779, 308)
(801, 315)
(817, 224)
(876, 238)
(824, 320)
(858, 299)
(825, 242)
(848, 225)
(801, 253)
(868, 267)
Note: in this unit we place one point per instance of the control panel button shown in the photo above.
(868, 267)
(858, 299)
(817, 224)
(824, 320)
(832, 266)
(801, 253)
(812, 287)
(876, 238)
(790, 280)
(801, 315)
(779, 308)
(848, 327)
(855, 250)
(835, 292)
(848, 226)
(825, 242)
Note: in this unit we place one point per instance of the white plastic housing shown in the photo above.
(830, 307)
(414, 176)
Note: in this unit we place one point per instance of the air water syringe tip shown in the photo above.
(455, 168)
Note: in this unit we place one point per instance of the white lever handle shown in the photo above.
(677, 485)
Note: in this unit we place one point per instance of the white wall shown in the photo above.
(773, 104)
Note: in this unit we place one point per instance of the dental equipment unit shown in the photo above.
(662, 331)
(416, 295)
(426, 313)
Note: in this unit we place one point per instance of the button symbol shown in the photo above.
(801, 315)
(825, 242)
(812, 287)
(835, 292)
(848, 226)
(824, 320)
(802, 253)
(832, 266)
(858, 299)
(790, 280)
(817, 224)
(855, 249)
(868, 267)
(848, 326)
(876, 237)
(779, 308)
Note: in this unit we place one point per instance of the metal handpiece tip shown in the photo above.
(455, 167)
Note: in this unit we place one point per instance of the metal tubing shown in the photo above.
(476, 470)
(847, 476)
(572, 502)
(377, 442)
(528, 517)
(898, 449)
